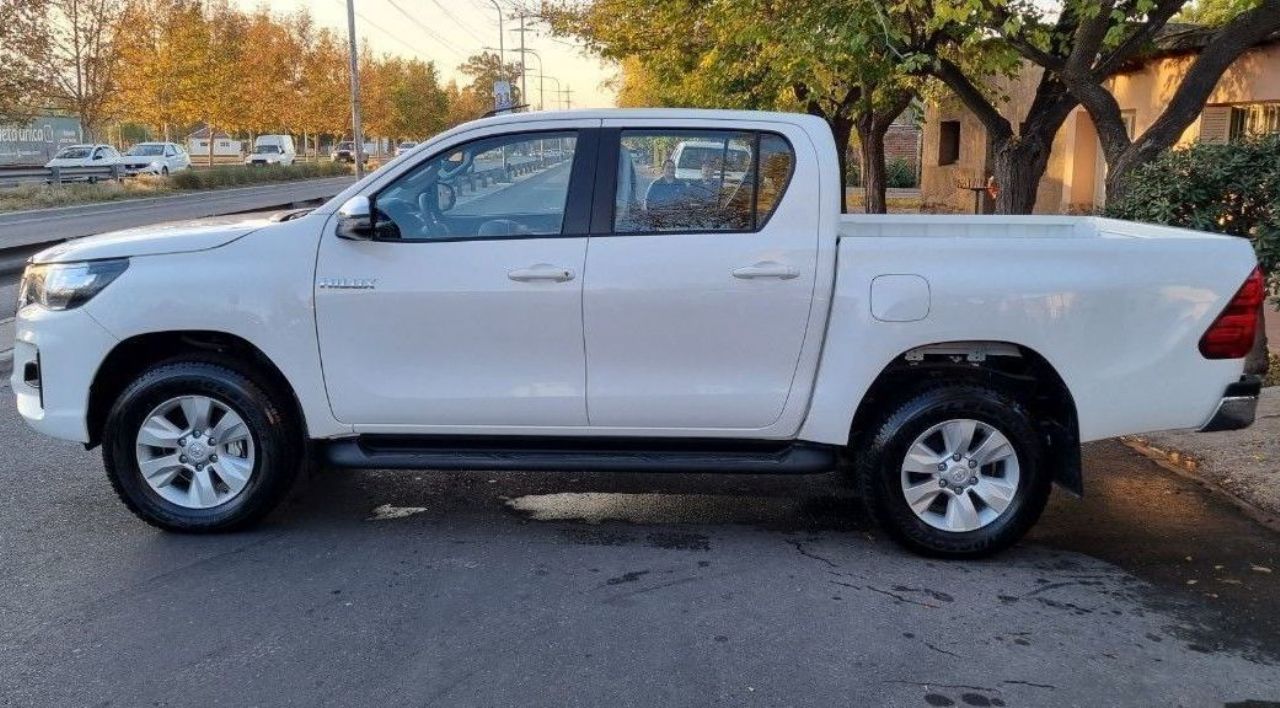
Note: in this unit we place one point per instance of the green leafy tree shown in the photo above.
(1079, 45)
(485, 68)
(817, 56)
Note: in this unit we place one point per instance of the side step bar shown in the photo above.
(580, 454)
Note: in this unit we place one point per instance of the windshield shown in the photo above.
(146, 149)
(74, 153)
(266, 150)
(345, 146)
(694, 157)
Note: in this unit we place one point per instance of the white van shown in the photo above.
(690, 155)
(271, 150)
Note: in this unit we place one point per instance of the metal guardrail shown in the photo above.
(59, 175)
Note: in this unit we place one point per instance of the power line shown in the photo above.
(464, 26)
(384, 30)
(430, 32)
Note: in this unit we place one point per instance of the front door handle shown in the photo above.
(541, 271)
(767, 269)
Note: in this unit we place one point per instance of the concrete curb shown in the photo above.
(1188, 466)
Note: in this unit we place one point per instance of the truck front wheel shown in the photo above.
(954, 471)
(198, 446)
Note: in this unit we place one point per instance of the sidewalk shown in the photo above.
(1245, 464)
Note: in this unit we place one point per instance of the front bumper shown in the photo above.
(56, 354)
(1238, 406)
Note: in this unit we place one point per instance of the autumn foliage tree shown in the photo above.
(177, 64)
(24, 48)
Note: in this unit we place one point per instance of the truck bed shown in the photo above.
(1019, 227)
(1116, 308)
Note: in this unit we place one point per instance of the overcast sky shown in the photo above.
(448, 31)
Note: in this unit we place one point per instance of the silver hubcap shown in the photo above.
(195, 452)
(960, 475)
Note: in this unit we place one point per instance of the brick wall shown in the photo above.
(902, 142)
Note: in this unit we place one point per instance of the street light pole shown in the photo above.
(501, 54)
(556, 91)
(541, 107)
(356, 131)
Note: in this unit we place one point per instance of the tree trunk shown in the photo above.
(1018, 163)
(842, 130)
(873, 168)
(209, 149)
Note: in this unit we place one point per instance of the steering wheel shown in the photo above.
(406, 218)
(430, 216)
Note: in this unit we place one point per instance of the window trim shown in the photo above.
(578, 199)
(605, 202)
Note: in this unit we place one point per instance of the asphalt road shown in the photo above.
(540, 192)
(48, 225)
(474, 589)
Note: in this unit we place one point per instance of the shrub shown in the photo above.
(900, 173)
(1232, 189)
(234, 175)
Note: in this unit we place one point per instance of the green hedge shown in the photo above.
(234, 175)
(1232, 189)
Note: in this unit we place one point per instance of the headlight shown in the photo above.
(62, 286)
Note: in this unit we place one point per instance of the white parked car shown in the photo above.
(85, 156)
(404, 147)
(271, 150)
(689, 157)
(952, 365)
(155, 159)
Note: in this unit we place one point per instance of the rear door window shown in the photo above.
(699, 180)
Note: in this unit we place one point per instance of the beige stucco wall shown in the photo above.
(1071, 181)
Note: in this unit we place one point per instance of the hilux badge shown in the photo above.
(347, 283)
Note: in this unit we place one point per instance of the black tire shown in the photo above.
(878, 468)
(276, 439)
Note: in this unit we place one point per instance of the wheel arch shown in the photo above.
(1013, 367)
(131, 356)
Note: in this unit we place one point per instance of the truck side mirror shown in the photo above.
(355, 219)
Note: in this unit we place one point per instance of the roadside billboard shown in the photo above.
(34, 143)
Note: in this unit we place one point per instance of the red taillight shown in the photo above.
(1231, 335)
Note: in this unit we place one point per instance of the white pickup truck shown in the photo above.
(540, 291)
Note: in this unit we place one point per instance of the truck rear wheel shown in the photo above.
(197, 446)
(955, 471)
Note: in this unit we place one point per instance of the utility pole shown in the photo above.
(357, 134)
(524, 94)
(568, 97)
(538, 56)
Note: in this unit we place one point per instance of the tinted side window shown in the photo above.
(699, 180)
(509, 185)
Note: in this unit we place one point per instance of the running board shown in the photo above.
(580, 454)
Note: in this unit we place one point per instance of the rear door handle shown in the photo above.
(767, 269)
(541, 271)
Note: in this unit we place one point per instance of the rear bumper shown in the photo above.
(1238, 405)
